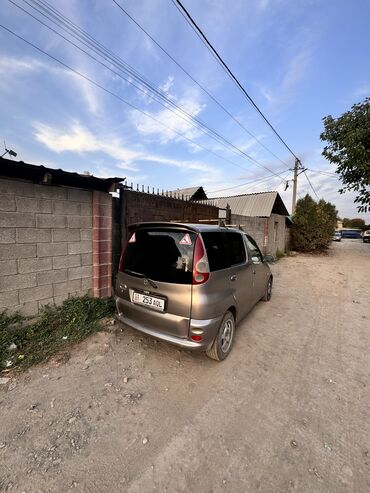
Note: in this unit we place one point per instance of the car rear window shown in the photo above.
(162, 255)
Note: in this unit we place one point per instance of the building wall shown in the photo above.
(254, 226)
(262, 230)
(141, 206)
(46, 244)
(276, 234)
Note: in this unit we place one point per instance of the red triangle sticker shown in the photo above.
(186, 240)
(133, 238)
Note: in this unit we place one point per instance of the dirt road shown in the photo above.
(289, 410)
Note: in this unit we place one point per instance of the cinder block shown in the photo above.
(86, 234)
(79, 195)
(86, 284)
(35, 294)
(50, 192)
(8, 267)
(51, 249)
(59, 300)
(17, 220)
(7, 203)
(50, 221)
(34, 265)
(81, 222)
(17, 281)
(33, 235)
(16, 187)
(29, 309)
(28, 204)
(7, 235)
(79, 272)
(66, 207)
(66, 235)
(46, 302)
(17, 251)
(8, 299)
(65, 261)
(52, 276)
(65, 288)
(86, 259)
(80, 247)
(86, 209)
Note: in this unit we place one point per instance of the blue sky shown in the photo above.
(299, 61)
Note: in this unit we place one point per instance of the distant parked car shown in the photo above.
(366, 236)
(351, 233)
(337, 236)
(189, 284)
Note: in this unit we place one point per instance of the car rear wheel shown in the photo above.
(268, 292)
(223, 342)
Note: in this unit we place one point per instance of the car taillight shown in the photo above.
(200, 265)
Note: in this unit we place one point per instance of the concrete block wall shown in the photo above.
(46, 249)
(254, 226)
(280, 242)
(141, 206)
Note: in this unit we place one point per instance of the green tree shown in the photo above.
(348, 148)
(313, 225)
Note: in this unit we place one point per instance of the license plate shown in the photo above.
(149, 301)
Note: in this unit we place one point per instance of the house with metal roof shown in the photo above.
(191, 193)
(263, 215)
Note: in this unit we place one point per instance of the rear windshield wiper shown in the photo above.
(143, 276)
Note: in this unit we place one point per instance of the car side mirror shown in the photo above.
(270, 259)
(256, 260)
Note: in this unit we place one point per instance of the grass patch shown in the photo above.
(279, 254)
(56, 328)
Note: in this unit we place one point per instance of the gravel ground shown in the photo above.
(289, 410)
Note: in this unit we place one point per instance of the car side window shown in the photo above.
(236, 248)
(217, 254)
(255, 253)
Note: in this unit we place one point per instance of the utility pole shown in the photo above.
(295, 180)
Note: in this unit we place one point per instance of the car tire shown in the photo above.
(268, 292)
(223, 343)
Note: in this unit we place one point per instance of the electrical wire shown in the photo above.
(189, 118)
(245, 183)
(108, 91)
(210, 95)
(309, 181)
(211, 48)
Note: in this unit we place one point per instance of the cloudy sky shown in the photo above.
(299, 61)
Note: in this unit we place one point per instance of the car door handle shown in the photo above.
(233, 278)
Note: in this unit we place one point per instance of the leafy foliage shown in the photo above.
(56, 328)
(313, 225)
(348, 148)
(353, 223)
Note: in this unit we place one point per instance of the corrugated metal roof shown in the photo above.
(51, 176)
(196, 193)
(253, 205)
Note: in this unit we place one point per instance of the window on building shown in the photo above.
(276, 231)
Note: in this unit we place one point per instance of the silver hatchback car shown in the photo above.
(189, 284)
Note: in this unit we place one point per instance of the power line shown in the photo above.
(199, 32)
(85, 77)
(327, 173)
(309, 181)
(246, 183)
(210, 95)
(137, 76)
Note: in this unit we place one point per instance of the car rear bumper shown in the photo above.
(207, 329)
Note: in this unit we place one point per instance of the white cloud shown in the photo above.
(167, 84)
(167, 123)
(81, 140)
(184, 165)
